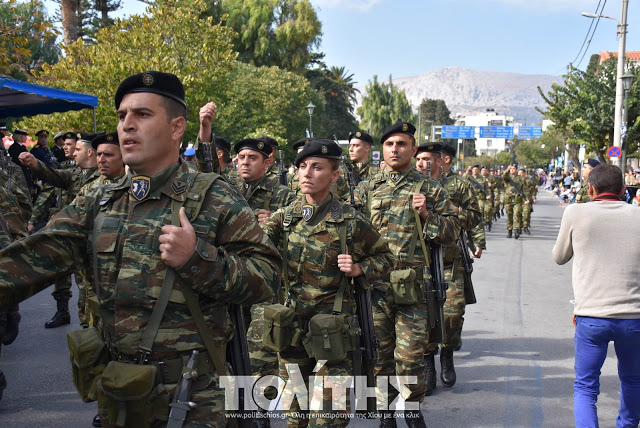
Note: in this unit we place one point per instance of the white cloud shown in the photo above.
(361, 5)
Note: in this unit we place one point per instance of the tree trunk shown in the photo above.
(69, 20)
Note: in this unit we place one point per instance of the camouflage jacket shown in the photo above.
(460, 194)
(13, 223)
(312, 252)
(512, 182)
(388, 202)
(583, 194)
(530, 188)
(234, 261)
(12, 179)
(365, 170)
(266, 194)
(499, 186)
(479, 186)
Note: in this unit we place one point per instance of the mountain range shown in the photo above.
(470, 91)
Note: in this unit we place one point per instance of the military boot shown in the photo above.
(489, 227)
(3, 383)
(518, 233)
(97, 421)
(509, 235)
(447, 371)
(526, 230)
(430, 379)
(388, 420)
(61, 317)
(13, 322)
(415, 419)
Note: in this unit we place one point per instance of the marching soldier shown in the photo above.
(396, 199)
(482, 189)
(530, 189)
(587, 167)
(514, 200)
(360, 143)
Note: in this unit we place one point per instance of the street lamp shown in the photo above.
(310, 109)
(622, 32)
(627, 81)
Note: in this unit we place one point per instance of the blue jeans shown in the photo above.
(591, 341)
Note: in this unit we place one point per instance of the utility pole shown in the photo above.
(617, 127)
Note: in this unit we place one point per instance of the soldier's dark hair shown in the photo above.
(607, 179)
(335, 164)
(174, 109)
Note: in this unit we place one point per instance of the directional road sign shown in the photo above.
(464, 132)
(496, 132)
(529, 132)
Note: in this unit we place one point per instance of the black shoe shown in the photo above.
(526, 230)
(447, 371)
(498, 214)
(3, 383)
(518, 233)
(489, 226)
(13, 321)
(430, 379)
(509, 235)
(61, 317)
(414, 419)
(388, 420)
(502, 211)
(97, 421)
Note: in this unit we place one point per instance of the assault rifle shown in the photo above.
(282, 175)
(467, 261)
(365, 356)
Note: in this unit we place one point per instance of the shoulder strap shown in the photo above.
(418, 230)
(286, 223)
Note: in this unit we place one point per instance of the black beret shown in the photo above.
(484, 167)
(271, 141)
(302, 142)
(20, 132)
(476, 166)
(448, 149)
(43, 132)
(70, 136)
(256, 144)
(58, 135)
(222, 143)
(592, 162)
(165, 84)
(85, 136)
(429, 147)
(399, 127)
(320, 149)
(102, 138)
(361, 135)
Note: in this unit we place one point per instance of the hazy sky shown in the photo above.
(411, 37)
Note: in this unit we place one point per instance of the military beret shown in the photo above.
(255, 144)
(476, 166)
(190, 152)
(429, 148)
(102, 138)
(592, 162)
(222, 143)
(448, 149)
(361, 135)
(70, 136)
(320, 149)
(484, 167)
(20, 132)
(85, 137)
(271, 141)
(42, 132)
(58, 135)
(165, 84)
(398, 128)
(302, 142)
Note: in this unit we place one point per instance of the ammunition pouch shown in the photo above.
(88, 357)
(281, 328)
(330, 337)
(406, 287)
(130, 396)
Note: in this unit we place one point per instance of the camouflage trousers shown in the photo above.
(514, 214)
(263, 361)
(297, 363)
(454, 308)
(62, 289)
(526, 215)
(485, 209)
(403, 335)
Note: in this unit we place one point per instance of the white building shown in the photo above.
(487, 146)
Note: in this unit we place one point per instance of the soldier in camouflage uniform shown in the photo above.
(392, 198)
(221, 162)
(530, 190)
(273, 171)
(318, 267)
(498, 193)
(360, 143)
(439, 156)
(70, 181)
(583, 195)
(482, 189)
(136, 231)
(514, 200)
(293, 181)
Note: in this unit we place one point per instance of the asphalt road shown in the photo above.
(515, 368)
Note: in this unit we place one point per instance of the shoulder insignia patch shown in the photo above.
(140, 186)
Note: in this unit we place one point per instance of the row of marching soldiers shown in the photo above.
(393, 244)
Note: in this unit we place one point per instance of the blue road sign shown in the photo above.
(529, 132)
(496, 132)
(464, 132)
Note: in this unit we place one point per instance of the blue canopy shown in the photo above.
(18, 99)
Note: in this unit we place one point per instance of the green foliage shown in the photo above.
(503, 158)
(27, 39)
(434, 112)
(278, 33)
(382, 106)
(168, 38)
(531, 154)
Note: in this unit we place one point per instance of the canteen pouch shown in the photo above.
(330, 337)
(404, 287)
(88, 357)
(281, 329)
(128, 395)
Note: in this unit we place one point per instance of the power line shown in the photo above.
(588, 38)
